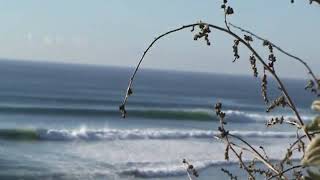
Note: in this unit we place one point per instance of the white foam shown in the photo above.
(165, 170)
(135, 134)
(240, 116)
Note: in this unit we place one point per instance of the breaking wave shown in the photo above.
(119, 134)
(176, 114)
(152, 170)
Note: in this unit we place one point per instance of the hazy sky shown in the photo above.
(116, 32)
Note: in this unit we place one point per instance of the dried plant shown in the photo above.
(231, 176)
(236, 144)
(191, 171)
(253, 65)
(313, 84)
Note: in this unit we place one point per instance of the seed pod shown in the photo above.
(122, 110)
(226, 153)
(265, 43)
(264, 88)
(280, 101)
(309, 85)
(129, 92)
(253, 65)
(229, 10)
(235, 50)
(248, 38)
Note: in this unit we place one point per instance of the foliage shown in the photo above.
(310, 154)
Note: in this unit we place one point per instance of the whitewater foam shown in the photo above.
(167, 170)
(128, 134)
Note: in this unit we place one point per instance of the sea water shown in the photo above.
(61, 121)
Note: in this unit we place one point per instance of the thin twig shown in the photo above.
(240, 159)
(260, 157)
(225, 19)
(189, 175)
(301, 137)
(289, 169)
(292, 123)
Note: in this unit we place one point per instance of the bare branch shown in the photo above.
(129, 89)
(258, 155)
(289, 169)
(240, 159)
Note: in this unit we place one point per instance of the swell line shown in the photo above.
(120, 134)
(151, 113)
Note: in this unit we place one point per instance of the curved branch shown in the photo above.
(261, 158)
(301, 137)
(144, 54)
(281, 50)
(282, 87)
(255, 153)
(240, 159)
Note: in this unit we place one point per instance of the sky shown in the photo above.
(116, 32)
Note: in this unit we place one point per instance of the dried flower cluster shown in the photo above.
(253, 65)
(272, 57)
(313, 86)
(231, 176)
(226, 153)
(254, 170)
(203, 33)
(264, 87)
(228, 10)
(190, 168)
(280, 101)
(221, 116)
(235, 49)
(248, 38)
(276, 120)
(219, 112)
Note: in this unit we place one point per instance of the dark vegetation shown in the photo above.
(307, 142)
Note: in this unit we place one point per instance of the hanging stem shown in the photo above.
(271, 71)
(280, 50)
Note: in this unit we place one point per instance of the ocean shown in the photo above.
(62, 121)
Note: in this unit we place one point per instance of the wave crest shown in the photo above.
(125, 134)
(149, 113)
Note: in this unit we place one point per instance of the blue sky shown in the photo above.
(116, 32)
